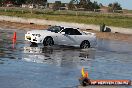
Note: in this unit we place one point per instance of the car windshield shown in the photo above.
(55, 29)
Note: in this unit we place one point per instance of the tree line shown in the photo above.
(86, 5)
(20, 2)
(72, 5)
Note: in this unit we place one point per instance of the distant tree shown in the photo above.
(86, 4)
(89, 6)
(115, 6)
(38, 2)
(95, 5)
(110, 5)
(1, 1)
(73, 4)
(74, 1)
(83, 4)
(57, 5)
(4, 2)
(100, 5)
(62, 4)
(19, 2)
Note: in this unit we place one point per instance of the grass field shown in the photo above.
(117, 20)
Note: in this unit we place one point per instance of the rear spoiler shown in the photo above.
(89, 33)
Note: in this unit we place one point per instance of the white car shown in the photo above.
(59, 35)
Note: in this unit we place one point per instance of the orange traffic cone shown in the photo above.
(14, 36)
(84, 79)
(84, 74)
(14, 39)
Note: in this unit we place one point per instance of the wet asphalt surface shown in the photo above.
(25, 66)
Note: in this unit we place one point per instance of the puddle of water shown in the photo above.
(1, 62)
(114, 46)
(59, 66)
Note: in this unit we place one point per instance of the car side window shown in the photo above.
(76, 32)
(67, 31)
(71, 31)
(57, 29)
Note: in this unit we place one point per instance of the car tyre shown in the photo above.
(85, 44)
(48, 41)
(33, 43)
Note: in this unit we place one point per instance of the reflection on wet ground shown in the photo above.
(27, 66)
(57, 55)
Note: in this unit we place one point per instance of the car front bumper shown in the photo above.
(34, 39)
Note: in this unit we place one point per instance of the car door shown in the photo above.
(64, 37)
(70, 37)
(76, 36)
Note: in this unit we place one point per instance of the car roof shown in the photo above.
(67, 27)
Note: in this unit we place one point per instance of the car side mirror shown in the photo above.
(63, 33)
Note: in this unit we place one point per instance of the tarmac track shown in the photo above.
(25, 66)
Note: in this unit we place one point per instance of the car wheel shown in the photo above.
(33, 44)
(48, 41)
(85, 44)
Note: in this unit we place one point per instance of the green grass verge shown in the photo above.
(117, 20)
